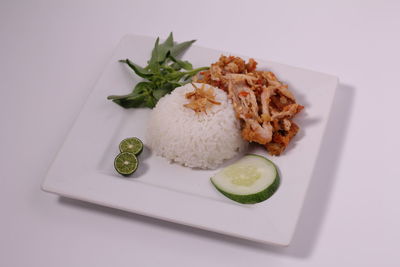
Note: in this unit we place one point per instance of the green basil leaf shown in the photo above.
(160, 93)
(170, 40)
(142, 72)
(183, 64)
(150, 102)
(118, 97)
(131, 102)
(174, 76)
(180, 48)
(143, 87)
(154, 55)
(140, 88)
(170, 86)
(164, 49)
(175, 66)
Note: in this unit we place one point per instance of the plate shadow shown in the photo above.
(324, 175)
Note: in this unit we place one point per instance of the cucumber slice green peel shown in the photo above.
(250, 180)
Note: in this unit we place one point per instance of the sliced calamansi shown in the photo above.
(132, 144)
(126, 163)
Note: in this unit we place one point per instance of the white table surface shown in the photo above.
(52, 53)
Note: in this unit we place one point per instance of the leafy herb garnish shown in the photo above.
(163, 73)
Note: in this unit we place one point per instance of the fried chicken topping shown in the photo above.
(201, 99)
(264, 105)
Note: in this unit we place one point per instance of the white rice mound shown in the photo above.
(202, 140)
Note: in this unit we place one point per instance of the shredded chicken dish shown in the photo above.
(263, 104)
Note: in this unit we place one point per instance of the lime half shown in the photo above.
(126, 163)
(132, 144)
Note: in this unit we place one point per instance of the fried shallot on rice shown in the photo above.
(264, 105)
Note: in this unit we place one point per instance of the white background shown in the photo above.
(51, 54)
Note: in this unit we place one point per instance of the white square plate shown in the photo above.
(83, 168)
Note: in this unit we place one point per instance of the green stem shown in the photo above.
(196, 70)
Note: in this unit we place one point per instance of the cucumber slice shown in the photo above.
(250, 180)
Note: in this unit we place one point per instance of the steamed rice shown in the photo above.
(201, 140)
